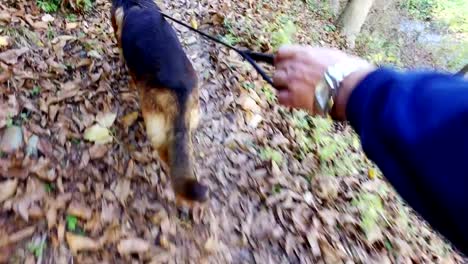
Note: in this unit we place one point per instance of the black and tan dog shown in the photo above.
(167, 85)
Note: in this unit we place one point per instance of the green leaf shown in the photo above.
(49, 187)
(269, 154)
(72, 222)
(36, 91)
(37, 249)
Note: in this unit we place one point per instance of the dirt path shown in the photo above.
(275, 197)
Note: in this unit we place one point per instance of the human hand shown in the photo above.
(300, 68)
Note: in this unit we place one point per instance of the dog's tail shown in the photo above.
(169, 118)
(180, 158)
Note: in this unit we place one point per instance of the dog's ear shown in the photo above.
(117, 23)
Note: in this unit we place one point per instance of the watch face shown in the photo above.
(322, 96)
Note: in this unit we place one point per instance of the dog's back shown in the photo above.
(167, 84)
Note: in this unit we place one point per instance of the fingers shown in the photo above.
(285, 98)
(280, 79)
(288, 52)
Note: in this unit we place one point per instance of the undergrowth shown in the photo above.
(452, 51)
(52, 6)
(380, 50)
(277, 33)
(337, 150)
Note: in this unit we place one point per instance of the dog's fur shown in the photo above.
(167, 85)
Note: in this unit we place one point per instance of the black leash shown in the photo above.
(248, 55)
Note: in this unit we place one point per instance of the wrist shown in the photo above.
(347, 86)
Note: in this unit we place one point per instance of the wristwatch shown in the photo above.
(327, 89)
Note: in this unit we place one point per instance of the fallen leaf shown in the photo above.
(132, 245)
(47, 18)
(11, 56)
(5, 16)
(94, 54)
(98, 134)
(97, 151)
(211, 245)
(194, 23)
(9, 109)
(253, 120)
(35, 192)
(312, 238)
(166, 244)
(35, 212)
(249, 104)
(372, 173)
(4, 41)
(7, 189)
(327, 187)
(43, 170)
(12, 139)
(330, 254)
(122, 190)
(17, 236)
(79, 210)
(106, 119)
(51, 217)
(71, 25)
(61, 231)
(80, 243)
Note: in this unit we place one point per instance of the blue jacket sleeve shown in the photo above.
(414, 126)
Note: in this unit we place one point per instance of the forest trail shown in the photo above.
(285, 188)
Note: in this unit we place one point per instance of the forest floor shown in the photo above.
(285, 187)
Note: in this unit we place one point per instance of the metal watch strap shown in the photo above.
(328, 87)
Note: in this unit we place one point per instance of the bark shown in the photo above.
(335, 7)
(352, 19)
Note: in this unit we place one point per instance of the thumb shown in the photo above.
(285, 98)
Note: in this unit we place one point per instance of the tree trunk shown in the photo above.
(352, 19)
(335, 7)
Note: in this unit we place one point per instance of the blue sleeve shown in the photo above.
(414, 126)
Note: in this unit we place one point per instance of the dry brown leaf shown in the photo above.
(109, 212)
(330, 254)
(17, 236)
(122, 190)
(51, 217)
(43, 170)
(78, 243)
(35, 212)
(34, 193)
(9, 109)
(71, 25)
(61, 232)
(5, 16)
(11, 56)
(133, 245)
(211, 245)
(7, 189)
(97, 151)
(79, 210)
(312, 238)
(12, 139)
(327, 187)
(249, 104)
(253, 120)
(166, 244)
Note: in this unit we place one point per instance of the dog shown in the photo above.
(168, 88)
